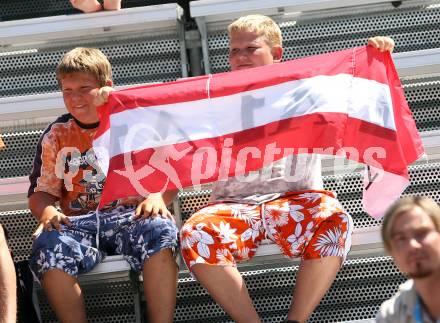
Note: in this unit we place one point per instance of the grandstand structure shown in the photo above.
(155, 43)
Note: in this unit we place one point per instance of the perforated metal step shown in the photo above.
(20, 224)
(105, 303)
(361, 286)
(138, 60)
(412, 29)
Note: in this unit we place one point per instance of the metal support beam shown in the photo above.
(204, 38)
(183, 54)
(194, 46)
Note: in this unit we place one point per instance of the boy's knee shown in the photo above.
(194, 222)
(159, 226)
(159, 233)
(46, 240)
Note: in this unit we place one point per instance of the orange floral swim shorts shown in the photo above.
(308, 224)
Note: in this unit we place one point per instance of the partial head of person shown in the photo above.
(79, 73)
(254, 40)
(411, 234)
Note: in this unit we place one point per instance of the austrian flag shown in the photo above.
(199, 130)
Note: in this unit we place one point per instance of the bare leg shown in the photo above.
(65, 296)
(313, 280)
(8, 296)
(86, 5)
(160, 286)
(228, 289)
(112, 4)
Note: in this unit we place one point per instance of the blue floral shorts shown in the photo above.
(81, 246)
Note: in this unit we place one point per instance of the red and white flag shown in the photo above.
(199, 130)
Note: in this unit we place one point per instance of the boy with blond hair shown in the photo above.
(298, 215)
(76, 238)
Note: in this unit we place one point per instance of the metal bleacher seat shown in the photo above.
(144, 44)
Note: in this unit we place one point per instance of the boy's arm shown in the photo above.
(156, 205)
(42, 206)
(45, 186)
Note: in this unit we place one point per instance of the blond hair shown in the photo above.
(85, 60)
(259, 24)
(429, 206)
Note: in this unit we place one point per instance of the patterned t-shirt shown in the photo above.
(289, 174)
(65, 166)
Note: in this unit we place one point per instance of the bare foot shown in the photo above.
(112, 4)
(86, 5)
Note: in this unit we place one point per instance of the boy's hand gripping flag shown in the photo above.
(199, 130)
